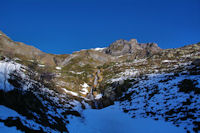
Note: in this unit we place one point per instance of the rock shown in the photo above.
(119, 47)
(196, 62)
(122, 47)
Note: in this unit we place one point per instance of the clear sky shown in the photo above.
(64, 26)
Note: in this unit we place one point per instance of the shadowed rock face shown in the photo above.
(122, 47)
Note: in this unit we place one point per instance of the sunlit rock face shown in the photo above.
(122, 47)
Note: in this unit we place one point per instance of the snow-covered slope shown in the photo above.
(26, 105)
(113, 120)
(174, 98)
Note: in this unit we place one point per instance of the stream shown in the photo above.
(95, 83)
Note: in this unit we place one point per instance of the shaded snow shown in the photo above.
(5, 129)
(7, 112)
(113, 120)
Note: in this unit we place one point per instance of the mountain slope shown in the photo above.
(42, 91)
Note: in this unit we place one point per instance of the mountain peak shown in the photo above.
(122, 47)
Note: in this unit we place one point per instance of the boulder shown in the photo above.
(196, 62)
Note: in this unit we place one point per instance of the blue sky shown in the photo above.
(64, 26)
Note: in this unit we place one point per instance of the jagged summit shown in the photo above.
(122, 47)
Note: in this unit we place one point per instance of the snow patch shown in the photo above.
(129, 73)
(58, 68)
(99, 96)
(85, 85)
(98, 49)
(140, 60)
(70, 92)
(84, 88)
(76, 72)
(41, 65)
(168, 61)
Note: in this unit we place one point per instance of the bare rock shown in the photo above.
(196, 62)
(122, 47)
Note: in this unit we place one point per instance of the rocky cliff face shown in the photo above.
(123, 47)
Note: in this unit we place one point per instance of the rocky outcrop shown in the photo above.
(196, 62)
(122, 47)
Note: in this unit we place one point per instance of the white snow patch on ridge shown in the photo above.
(98, 49)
